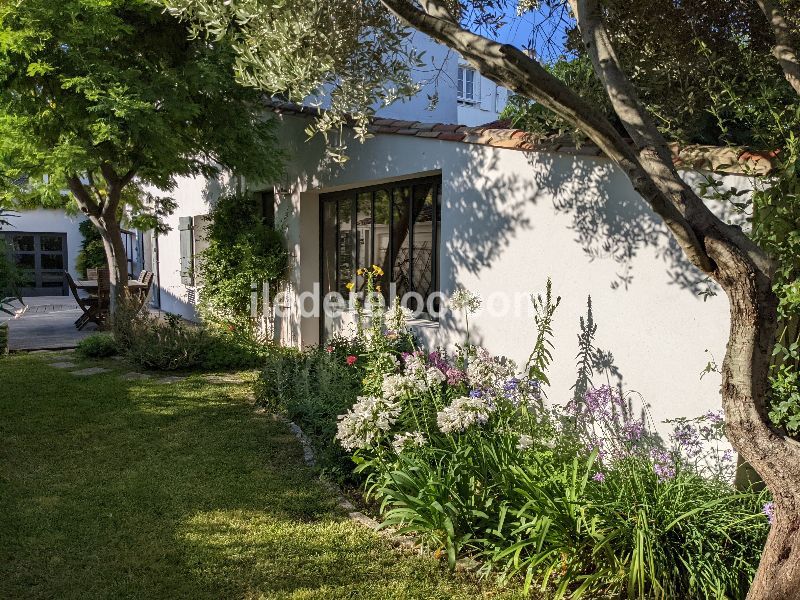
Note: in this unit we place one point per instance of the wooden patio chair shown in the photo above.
(87, 304)
(145, 277)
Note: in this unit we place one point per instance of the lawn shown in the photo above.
(119, 489)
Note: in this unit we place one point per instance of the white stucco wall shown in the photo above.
(51, 221)
(436, 76)
(194, 196)
(439, 77)
(490, 102)
(511, 219)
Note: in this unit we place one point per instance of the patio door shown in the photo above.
(41, 259)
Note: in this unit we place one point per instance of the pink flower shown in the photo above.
(351, 360)
(329, 349)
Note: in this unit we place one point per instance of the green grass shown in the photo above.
(113, 489)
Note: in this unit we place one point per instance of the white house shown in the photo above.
(45, 243)
(443, 207)
(462, 94)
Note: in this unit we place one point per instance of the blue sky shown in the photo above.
(541, 29)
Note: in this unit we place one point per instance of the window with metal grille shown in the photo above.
(394, 226)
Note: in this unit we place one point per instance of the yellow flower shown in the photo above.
(377, 288)
(350, 286)
(360, 272)
(377, 270)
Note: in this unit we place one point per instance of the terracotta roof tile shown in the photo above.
(499, 134)
(445, 127)
(451, 136)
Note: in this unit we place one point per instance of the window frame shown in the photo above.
(462, 95)
(390, 188)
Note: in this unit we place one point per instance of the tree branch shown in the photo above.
(84, 199)
(783, 50)
(438, 9)
(508, 66)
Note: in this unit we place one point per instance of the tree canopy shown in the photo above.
(107, 97)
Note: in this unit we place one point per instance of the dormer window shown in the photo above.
(468, 85)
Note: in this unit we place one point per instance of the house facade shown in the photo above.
(43, 243)
(444, 207)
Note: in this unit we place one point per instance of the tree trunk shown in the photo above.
(724, 252)
(116, 257)
(744, 392)
(102, 212)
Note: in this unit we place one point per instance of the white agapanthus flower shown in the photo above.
(465, 300)
(485, 371)
(396, 386)
(410, 439)
(434, 376)
(369, 417)
(462, 413)
(415, 364)
(525, 442)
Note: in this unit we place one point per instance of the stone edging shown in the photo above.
(403, 541)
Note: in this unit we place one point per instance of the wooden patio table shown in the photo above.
(90, 285)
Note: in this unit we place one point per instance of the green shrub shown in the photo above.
(99, 345)
(92, 254)
(242, 251)
(3, 339)
(170, 343)
(230, 350)
(311, 388)
(167, 344)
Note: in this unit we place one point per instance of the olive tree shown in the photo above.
(628, 133)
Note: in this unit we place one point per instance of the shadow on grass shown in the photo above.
(115, 489)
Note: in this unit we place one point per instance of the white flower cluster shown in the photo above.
(404, 440)
(396, 386)
(369, 417)
(465, 300)
(398, 316)
(525, 442)
(485, 371)
(462, 413)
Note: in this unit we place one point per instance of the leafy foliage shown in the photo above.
(99, 345)
(242, 251)
(581, 501)
(541, 357)
(110, 97)
(348, 56)
(92, 254)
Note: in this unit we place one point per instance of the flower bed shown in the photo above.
(463, 450)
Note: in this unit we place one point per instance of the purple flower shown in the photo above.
(769, 510)
(715, 417)
(663, 464)
(599, 477)
(476, 394)
(438, 361)
(687, 439)
(455, 376)
(633, 430)
(727, 456)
